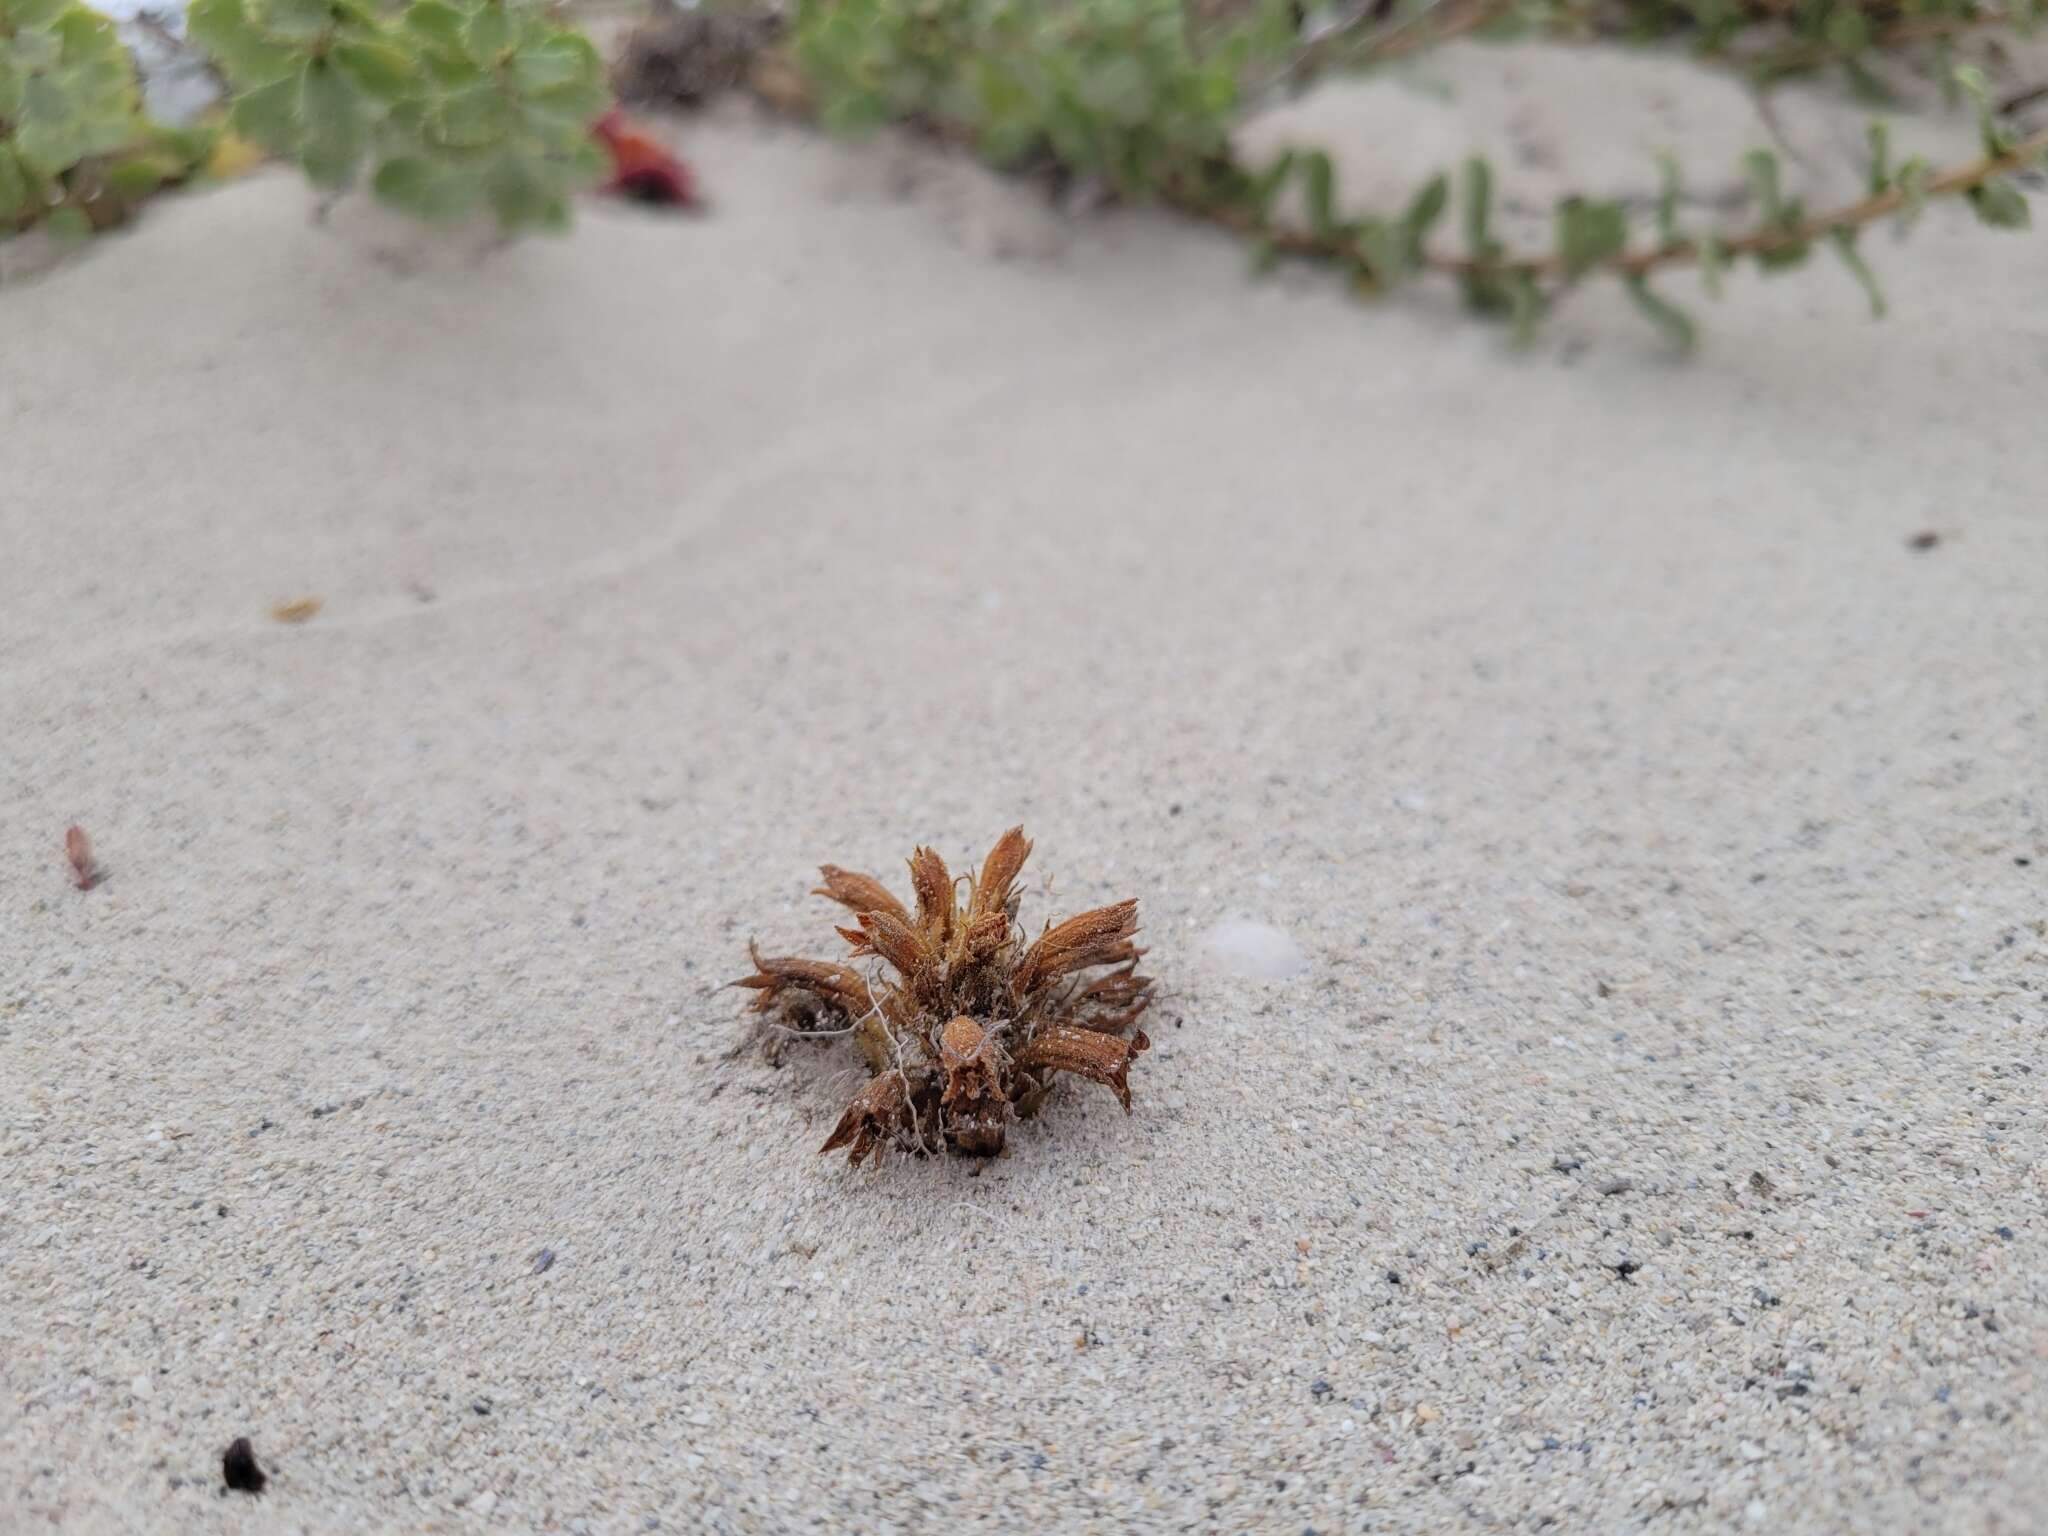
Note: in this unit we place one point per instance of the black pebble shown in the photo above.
(1923, 541)
(238, 1467)
(2005, 1233)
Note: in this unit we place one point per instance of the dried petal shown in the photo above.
(1098, 1057)
(882, 933)
(1109, 1003)
(838, 987)
(933, 883)
(1101, 937)
(880, 1113)
(976, 1106)
(862, 893)
(991, 894)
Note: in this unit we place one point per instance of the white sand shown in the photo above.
(1652, 817)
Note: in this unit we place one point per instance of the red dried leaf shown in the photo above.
(642, 167)
(85, 874)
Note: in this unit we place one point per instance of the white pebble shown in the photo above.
(1256, 951)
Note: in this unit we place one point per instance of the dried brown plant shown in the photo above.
(967, 1022)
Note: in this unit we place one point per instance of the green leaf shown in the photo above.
(69, 223)
(377, 69)
(43, 135)
(1267, 183)
(523, 200)
(1479, 209)
(298, 21)
(10, 84)
(1676, 325)
(1713, 262)
(1424, 210)
(1880, 136)
(488, 33)
(1848, 30)
(1319, 181)
(424, 190)
(1844, 242)
(232, 41)
(1667, 201)
(132, 180)
(34, 15)
(1525, 301)
(1995, 139)
(1912, 184)
(436, 21)
(475, 115)
(269, 116)
(1379, 256)
(1762, 167)
(1589, 233)
(332, 130)
(2000, 205)
(16, 192)
(555, 62)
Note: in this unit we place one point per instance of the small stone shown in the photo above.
(543, 1261)
(1428, 1413)
(141, 1386)
(483, 1503)
(238, 1468)
(1617, 1186)
(1255, 951)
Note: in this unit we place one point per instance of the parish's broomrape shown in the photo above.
(969, 1022)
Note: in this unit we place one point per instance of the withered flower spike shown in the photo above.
(973, 1026)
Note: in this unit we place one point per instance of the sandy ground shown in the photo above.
(1652, 1139)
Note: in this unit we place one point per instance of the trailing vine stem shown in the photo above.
(1340, 244)
(1363, 47)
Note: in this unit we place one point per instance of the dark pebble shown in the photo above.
(2005, 1234)
(1923, 541)
(238, 1467)
(544, 1261)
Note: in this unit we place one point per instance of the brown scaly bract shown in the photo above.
(974, 1021)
